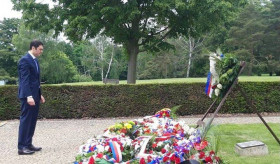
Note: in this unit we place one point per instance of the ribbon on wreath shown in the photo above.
(116, 151)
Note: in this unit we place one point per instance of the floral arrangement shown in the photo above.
(152, 139)
(223, 71)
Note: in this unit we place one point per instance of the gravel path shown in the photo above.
(61, 139)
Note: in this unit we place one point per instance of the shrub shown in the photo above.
(97, 101)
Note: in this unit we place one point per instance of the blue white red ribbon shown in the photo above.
(116, 150)
(208, 88)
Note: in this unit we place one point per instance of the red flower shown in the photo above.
(123, 130)
(173, 157)
(163, 150)
(186, 151)
(142, 161)
(154, 145)
(175, 144)
(201, 155)
(151, 152)
(217, 159)
(177, 160)
(91, 160)
(114, 139)
(149, 158)
(147, 131)
(200, 146)
(99, 155)
(165, 159)
(168, 134)
(212, 152)
(208, 159)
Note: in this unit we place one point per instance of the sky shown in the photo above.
(6, 10)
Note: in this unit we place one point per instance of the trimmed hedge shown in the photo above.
(68, 101)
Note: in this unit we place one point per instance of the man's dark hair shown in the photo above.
(35, 43)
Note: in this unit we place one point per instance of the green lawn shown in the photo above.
(184, 80)
(230, 134)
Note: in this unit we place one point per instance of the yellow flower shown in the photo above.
(119, 126)
(131, 122)
(127, 126)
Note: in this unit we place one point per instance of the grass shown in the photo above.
(183, 80)
(230, 134)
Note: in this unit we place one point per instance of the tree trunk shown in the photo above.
(133, 51)
(110, 63)
(251, 63)
(191, 43)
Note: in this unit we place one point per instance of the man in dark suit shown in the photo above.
(29, 93)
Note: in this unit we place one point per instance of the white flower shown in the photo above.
(217, 92)
(182, 123)
(186, 128)
(107, 148)
(192, 137)
(136, 147)
(159, 143)
(219, 86)
(166, 147)
(191, 131)
(100, 148)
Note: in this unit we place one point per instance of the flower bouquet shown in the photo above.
(152, 139)
(223, 71)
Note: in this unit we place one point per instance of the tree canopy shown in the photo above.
(139, 25)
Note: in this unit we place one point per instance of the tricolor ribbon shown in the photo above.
(208, 88)
(116, 150)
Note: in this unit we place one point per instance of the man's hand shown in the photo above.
(30, 101)
(42, 99)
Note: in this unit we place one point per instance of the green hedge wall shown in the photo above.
(68, 101)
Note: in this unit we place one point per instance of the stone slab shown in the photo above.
(251, 148)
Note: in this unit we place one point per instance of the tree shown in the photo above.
(59, 70)
(247, 34)
(8, 27)
(56, 67)
(139, 25)
(191, 46)
(8, 64)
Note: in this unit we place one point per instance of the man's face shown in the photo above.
(37, 51)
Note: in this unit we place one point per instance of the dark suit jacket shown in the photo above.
(29, 78)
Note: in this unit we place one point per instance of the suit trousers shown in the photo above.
(28, 120)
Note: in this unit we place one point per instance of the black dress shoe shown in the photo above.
(33, 148)
(25, 151)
